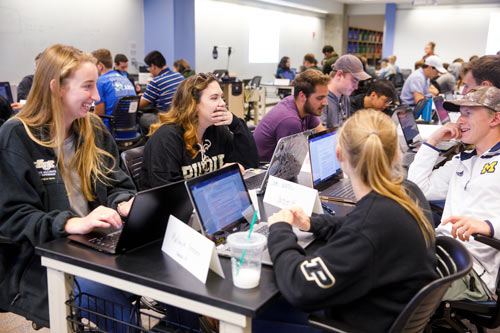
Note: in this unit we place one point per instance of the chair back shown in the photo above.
(125, 117)
(255, 83)
(396, 79)
(453, 262)
(132, 159)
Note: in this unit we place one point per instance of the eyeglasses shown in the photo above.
(200, 77)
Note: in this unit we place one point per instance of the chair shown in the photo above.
(123, 123)
(132, 160)
(480, 314)
(453, 262)
(396, 79)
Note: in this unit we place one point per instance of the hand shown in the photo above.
(16, 105)
(222, 116)
(284, 215)
(123, 207)
(446, 132)
(301, 220)
(464, 226)
(101, 217)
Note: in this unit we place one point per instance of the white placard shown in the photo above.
(133, 107)
(283, 194)
(191, 250)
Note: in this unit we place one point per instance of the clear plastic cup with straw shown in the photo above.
(246, 258)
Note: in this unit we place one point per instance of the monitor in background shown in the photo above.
(324, 162)
(408, 126)
(6, 92)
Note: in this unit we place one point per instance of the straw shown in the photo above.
(245, 250)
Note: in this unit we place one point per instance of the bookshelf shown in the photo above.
(365, 42)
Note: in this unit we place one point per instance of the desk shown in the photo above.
(150, 272)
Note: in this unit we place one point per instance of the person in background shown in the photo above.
(309, 62)
(359, 284)
(60, 176)
(392, 61)
(111, 84)
(198, 135)
(472, 58)
(24, 87)
(419, 64)
(379, 96)
(446, 84)
(455, 67)
(367, 68)
(417, 85)
(386, 70)
(294, 114)
(182, 66)
(283, 71)
(344, 78)
(484, 71)
(429, 50)
(330, 58)
(121, 66)
(469, 184)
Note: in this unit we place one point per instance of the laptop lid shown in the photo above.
(221, 201)
(325, 167)
(6, 92)
(408, 126)
(442, 113)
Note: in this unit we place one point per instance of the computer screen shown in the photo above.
(324, 162)
(221, 200)
(6, 92)
(408, 125)
(443, 115)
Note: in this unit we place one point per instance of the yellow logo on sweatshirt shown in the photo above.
(489, 167)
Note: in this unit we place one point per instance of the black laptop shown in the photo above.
(146, 222)
(6, 92)
(326, 173)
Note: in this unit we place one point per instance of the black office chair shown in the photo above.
(483, 315)
(255, 83)
(453, 262)
(132, 160)
(123, 123)
(396, 79)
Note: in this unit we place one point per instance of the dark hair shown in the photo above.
(120, 58)
(383, 88)
(283, 65)
(327, 48)
(155, 58)
(307, 82)
(181, 65)
(103, 56)
(486, 68)
(309, 57)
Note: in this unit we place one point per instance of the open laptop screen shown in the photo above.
(324, 163)
(221, 199)
(6, 92)
(441, 111)
(408, 125)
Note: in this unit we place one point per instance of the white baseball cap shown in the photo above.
(435, 62)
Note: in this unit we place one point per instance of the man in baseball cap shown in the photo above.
(418, 84)
(344, 78)
(470, 184)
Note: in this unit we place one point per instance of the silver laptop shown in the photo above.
(287, 160)
(223, 206)
(326, 173)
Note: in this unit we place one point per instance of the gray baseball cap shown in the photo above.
(486, 96)
(351, 64)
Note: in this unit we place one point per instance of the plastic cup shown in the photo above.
(247, 274)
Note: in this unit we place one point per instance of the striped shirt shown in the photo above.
(160, 90)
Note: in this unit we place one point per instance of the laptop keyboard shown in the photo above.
(264, 230)
(109, 241)
(255, 182)
(343, 192)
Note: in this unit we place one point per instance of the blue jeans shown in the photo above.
(113, 303)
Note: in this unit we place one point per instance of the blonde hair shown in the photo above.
(184, 111)
(42, 117)
(370, 140)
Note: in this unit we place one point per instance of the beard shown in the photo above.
(309, 110)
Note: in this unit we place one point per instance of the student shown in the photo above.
(330, 58)
(344, 78)
(379, 96)
(309, 62)
(418, 84)
(366, 273)
(111, 85)
(469, 183)
(198, 135)
(60, 171)
(484, 71)
(387, 69)
(429, 50)
(24, 87)
(121, 66)
(392, 61)
(284, 71)
(182, 66)
(294, 114)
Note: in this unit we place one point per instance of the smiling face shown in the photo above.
(475, 124)
(210, 99)
(79, 91)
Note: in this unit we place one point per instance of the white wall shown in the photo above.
(458, 31)
(222, 23)
(27, 27)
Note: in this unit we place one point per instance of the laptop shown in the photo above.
(6, 92)
(443, 115)
(327, 176)
(412, 134)
(223, 206)
(146, 222)
(287, 160)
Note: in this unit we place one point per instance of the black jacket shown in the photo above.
(23, 90)
(374, 261)
(167, 160)
(34, 208)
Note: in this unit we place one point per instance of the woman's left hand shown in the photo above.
(123, 207)
(222, 117)
(284, 215)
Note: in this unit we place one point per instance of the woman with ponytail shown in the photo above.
(376, 258)
(198, 135)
